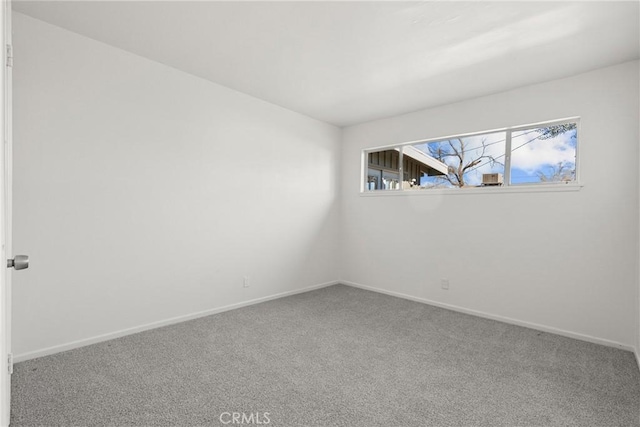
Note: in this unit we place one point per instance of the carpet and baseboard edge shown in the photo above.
(178, 319)
(111, 335)
(531, 325)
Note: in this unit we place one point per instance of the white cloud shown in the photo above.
(539, 153)
(528, 153)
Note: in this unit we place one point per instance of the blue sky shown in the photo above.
(530, 155)
(541, 155)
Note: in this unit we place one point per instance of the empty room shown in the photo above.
(320, 213)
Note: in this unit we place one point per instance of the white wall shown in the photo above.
(143, 193)
(564, 261)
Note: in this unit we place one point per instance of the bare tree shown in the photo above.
(559, 173)
(464, 161)
(555, 130)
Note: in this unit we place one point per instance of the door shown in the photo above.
(17, 262)
(5, 220)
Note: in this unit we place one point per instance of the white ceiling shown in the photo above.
(351, 62)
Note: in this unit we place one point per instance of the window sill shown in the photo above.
(523, 188)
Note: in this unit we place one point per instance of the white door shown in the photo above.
(5, 221)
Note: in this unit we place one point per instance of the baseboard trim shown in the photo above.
(509, 320)
(129, 331)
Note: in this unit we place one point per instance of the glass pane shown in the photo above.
(544, 155)
(458, 162)
(383, 170)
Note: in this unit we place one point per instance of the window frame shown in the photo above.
(507, 186)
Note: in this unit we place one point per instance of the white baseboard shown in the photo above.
(129, 331)
(117, 334)
(509, 320)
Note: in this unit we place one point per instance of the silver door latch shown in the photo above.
(19, 262)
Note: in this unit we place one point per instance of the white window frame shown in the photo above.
(507, 187)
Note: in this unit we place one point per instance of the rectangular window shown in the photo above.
(467, 159)
(383, 170)
(540, 154)
(544, 154)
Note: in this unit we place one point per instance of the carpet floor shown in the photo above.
(337, 356)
